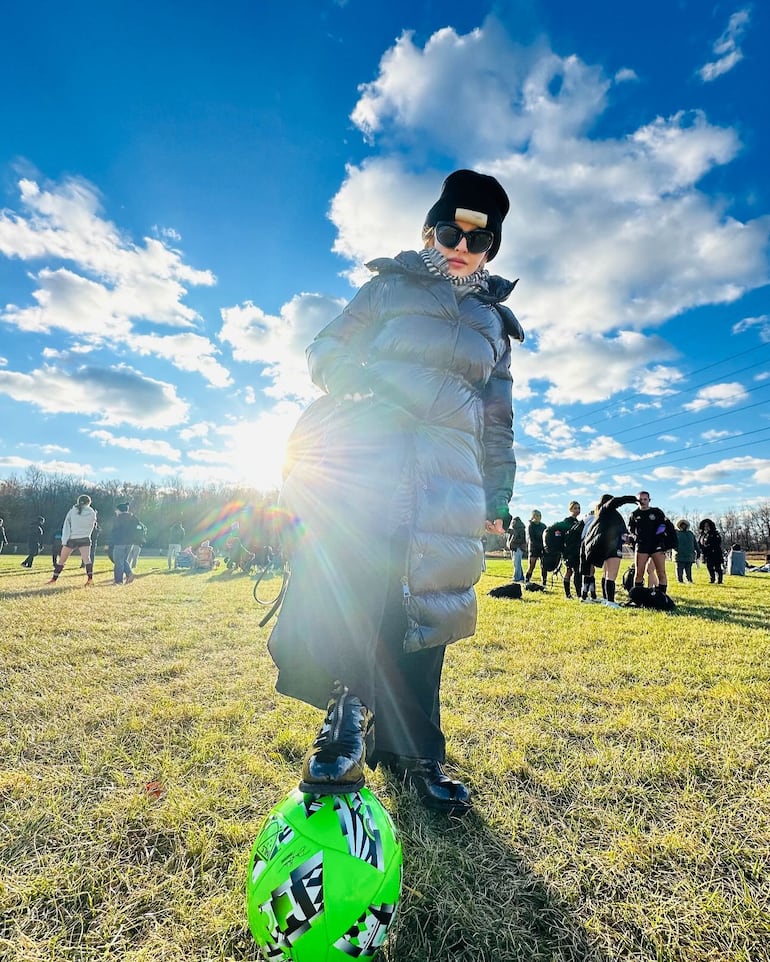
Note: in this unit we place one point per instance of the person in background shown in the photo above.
(176, 535)
(686, 550)
(647, 525)
(573, 535)
(606, 536)
(516, 542)
(76, 531)
(34, 541)
(710, 544)
(56, 548)
(126, 531)
(417, 414)
(535, 532)
(3, 536)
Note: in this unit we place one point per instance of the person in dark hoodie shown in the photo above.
(602, 546)
(127, 531)
(710, 544)
(34, 541)
(415, 426)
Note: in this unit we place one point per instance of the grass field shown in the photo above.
(619, 760)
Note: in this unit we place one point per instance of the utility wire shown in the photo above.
(615, 402)
(711, 417)
(664, 458)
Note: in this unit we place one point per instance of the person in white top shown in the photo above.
(76, 535)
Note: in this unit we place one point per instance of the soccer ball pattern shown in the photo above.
(324, 878)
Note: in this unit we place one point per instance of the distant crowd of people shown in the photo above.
(80, 533)
(579, 547)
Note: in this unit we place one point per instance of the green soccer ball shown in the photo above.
(324, 878)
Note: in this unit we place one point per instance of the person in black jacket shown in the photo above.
(573, 536)
(535, 532)
(648, 526)
(34, 541)
(3, 536)
(127, 531)
(415, 428)
(710, 544)
(602, 546)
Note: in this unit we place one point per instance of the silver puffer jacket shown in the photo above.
(427, 452)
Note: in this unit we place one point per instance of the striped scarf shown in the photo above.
(437, 264)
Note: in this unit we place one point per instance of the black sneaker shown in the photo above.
(435, 789)
(335, 763)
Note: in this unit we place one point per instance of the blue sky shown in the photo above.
(189, 192)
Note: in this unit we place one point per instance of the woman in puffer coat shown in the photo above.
(413, 437)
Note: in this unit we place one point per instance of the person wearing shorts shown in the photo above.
(647, 525)
(76, 536)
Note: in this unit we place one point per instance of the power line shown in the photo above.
(696, 387)
(665, 463)
(711, 417)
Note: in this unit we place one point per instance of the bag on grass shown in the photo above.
(641, 597)
(628, 578)
(506, 591)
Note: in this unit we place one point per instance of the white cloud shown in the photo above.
(762, 323)
(606, 235)
(107, 395)
(278, 343)
(726, 395)
(188, 352)
(718, 471)
(594, 367)
(146, 446)
(97, 283)
(727, 48)
(73, 468)
(558, 437)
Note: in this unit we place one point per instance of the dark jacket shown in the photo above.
(687, 546)
(427, 456)
(647, 527)
(516, 539)
(604, 534)
(710, 543)
(127, 529)
(35, 537)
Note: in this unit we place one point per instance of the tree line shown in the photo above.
(207, 512)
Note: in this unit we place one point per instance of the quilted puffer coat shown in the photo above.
(427, 456)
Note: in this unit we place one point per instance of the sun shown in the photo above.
(256, 449)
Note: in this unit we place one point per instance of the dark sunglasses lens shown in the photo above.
(478, 241)
(448, 235)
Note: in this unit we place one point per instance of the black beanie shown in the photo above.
(477, 198)
(123, 506)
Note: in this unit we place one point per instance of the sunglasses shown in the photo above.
(477, 241)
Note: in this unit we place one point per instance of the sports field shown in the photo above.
(619, 760)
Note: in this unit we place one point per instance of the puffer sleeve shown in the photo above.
(499, 459)
(337, 356)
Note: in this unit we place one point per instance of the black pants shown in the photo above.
(684, 570)
(715, 571)
(407, 712)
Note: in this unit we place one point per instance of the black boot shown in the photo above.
(434, 787)
(335, 763)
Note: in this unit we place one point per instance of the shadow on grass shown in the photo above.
(469, 897)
